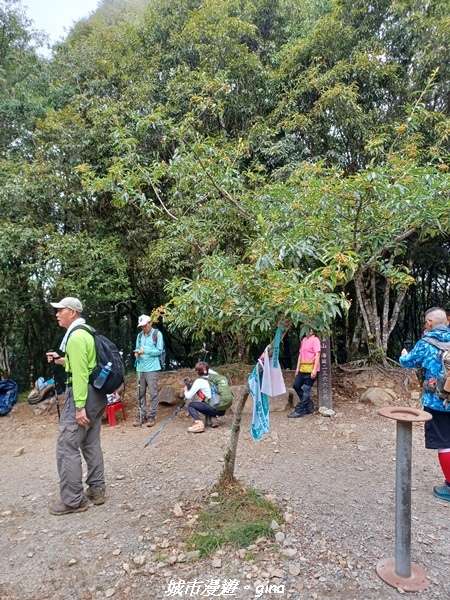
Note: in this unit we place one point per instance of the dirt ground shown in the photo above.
(333, 477)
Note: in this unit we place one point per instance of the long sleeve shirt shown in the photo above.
(149, 361)
(425, 355)
(81, 359)
(201, 384)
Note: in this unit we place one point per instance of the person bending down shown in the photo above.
(201, 389)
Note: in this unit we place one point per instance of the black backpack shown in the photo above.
(107, 352)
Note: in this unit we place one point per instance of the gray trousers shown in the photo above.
(150, 381)
(74, 440)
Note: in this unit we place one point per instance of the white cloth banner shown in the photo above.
(272, 379)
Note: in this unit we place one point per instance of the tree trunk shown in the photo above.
(227, 475)
(378, 328)
(5, 367)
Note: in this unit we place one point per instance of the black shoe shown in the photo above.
(208, 422)
(295, 415)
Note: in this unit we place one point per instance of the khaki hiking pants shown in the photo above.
(74, 441)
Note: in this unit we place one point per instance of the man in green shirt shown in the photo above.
(81, 415)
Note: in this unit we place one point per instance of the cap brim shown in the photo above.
(57, 305)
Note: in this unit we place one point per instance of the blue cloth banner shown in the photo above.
(276, 346)
(260, 417)
(261, 409)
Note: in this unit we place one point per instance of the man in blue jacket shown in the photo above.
(149, 348)
(424, 354)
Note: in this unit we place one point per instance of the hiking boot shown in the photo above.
(295, 415)
(214, 422)
(151, 423)
(442, 492)
(96, 495)
(197, 427)
(208, 422)
(62, 509)
(137, 423)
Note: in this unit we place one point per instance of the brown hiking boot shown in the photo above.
(96, 495)
(197, 427)
(62, 509)
(137, 423)
(151, 423)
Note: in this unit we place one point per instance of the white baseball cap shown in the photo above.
(143, 320)
(72, 303)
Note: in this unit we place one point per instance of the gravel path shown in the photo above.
(333, 477)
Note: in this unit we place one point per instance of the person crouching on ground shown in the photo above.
(202, 389)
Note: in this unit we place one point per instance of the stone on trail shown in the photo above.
(167, 395)
(177, 510)
(19, 451)
(326, 412)
(278, 573)
(288, 518)
(274, 525)
(378, 396)
(279, 536)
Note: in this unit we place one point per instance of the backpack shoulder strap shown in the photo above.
(437, 343)
(85, 328)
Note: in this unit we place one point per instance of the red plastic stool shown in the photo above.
(111, 412)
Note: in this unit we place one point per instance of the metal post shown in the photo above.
(403, 500)
(399, 571)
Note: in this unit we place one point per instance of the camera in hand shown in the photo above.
(408, 345)
(188, 384)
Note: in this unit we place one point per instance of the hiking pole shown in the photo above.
(138, 372)
(188, 385)
(168, 421)
(52, 364)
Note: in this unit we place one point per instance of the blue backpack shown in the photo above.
(8, 395)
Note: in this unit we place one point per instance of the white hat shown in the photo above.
(72, 303)
(143, 320)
